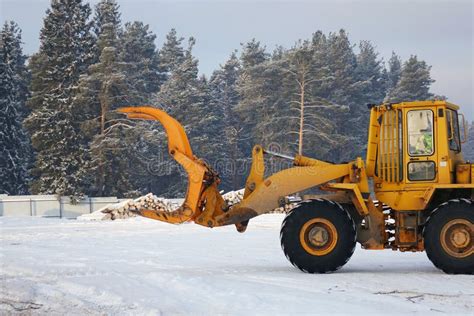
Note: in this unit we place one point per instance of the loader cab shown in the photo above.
(433, 142)
(412, 146)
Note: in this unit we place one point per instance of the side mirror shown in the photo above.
(463, 127)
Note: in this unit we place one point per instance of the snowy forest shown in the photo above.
(60, 132)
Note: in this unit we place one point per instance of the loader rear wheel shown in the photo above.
(449, 237)
(318, 236)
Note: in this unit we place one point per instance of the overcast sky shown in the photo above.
(439, 32)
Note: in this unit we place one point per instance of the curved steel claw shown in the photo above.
(202, 201)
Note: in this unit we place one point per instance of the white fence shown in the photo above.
(50, 205)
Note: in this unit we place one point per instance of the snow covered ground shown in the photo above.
(140, 266)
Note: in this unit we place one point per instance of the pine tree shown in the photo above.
(371, 84)
(65, 52)
(252, 86)
(263, 106)
(187, 98)
(321, 60)
(271, 110)
(99, 92)
(206, 122)
(144, 77)
(393, 75)
(138, 49)
(171, 55)
(253, 54)
(106, 20)
(308, 114)
(415, 81)
(326, 136)
(152, 163)
(369, 87)
(103, 89)
(342, 63)
(223, 82)
(15, 147)
(302, 71)
(224, 99)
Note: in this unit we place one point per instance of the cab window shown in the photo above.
(421, 171)
(453, 130)
(420, 132)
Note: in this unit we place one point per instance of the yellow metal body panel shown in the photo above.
(356, 195)
(257, 171)
(463, 173)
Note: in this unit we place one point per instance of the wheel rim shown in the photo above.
(456, 238)
(318, 236)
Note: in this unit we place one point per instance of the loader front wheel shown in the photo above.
(449, 237)
(318, 236)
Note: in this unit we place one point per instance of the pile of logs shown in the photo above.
(128, 208)
(233, 197)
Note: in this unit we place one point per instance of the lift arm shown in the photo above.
(264, 195)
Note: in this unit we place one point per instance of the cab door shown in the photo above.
(421, 153)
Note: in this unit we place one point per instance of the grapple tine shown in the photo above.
(177, 138)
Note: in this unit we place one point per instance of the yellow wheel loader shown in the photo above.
(421, 197)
